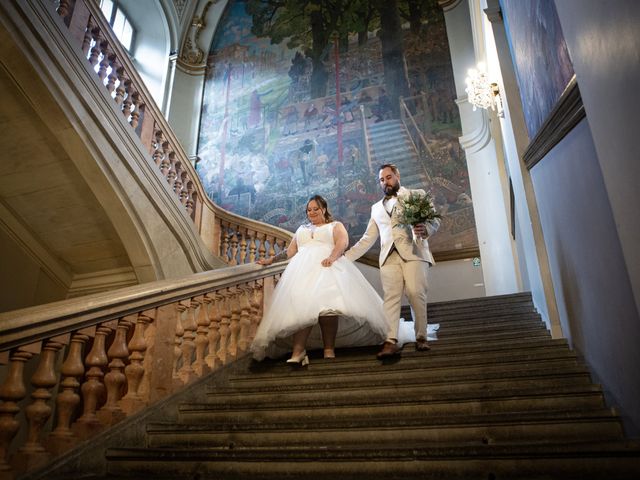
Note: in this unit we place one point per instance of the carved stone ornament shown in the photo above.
(191, 53)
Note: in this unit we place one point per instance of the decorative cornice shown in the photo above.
(566, 114)
(191, 54)
(447, 5)
(180, 7)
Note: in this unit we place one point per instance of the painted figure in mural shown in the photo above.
(255, 110)
(290, 121)
(310, 116)
(318, 287)
(304, 159)
(404, 260)
(383, 108)
(365, 100)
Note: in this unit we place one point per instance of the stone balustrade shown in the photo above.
(235, 239)
(74, 368)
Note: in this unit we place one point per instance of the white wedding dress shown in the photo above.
(306, 290)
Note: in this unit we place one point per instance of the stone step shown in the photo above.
(218, 398)
(498, 318)
(567, 461)
(478, 312)
(394, 374)
(571, 399)
(480, 429)
(503, 301)
(447, 346)
(490, 325)
(441, 355)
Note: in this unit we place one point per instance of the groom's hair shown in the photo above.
(393, 168)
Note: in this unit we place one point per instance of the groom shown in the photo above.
(404, 261)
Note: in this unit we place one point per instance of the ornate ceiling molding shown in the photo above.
(192, 57)
(180, 7)
(447, 5)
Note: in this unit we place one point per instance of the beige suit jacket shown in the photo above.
(385, 225)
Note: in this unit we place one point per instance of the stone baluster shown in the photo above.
(234, 248)
(177, 184)
(158, 154)
(88, 36)
(166, 151)
(183, 194)
(245, 318)
(93, 388)
(172, 173)
(213, 336)
(135, 108)
(32, 454)
(115, 379)
(127, 102)
(64, 8)
(190, 203)
(12, 391)
(234, 324)
(225, 320)
(179, 170)
(224, 245)
(272, 244)
(252, 247)
(187, 374)
(256, 307)
(62, 437)
(113, 78)
(135, 371)
(105, 62)
(149, 339)
(243, 246)
(165, 164)
(200, 365)
(96, 50)
(121, 90)
(177, 345)
(262, 250)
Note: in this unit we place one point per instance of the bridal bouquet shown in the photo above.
(415, 206)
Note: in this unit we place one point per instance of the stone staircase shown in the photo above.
(495, 398)
(390, 143)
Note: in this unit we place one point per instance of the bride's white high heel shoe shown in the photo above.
(301, 360)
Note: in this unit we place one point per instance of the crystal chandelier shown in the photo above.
(483, 93)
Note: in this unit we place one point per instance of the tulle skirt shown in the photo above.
(307, 290)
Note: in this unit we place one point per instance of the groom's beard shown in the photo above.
(391, 189)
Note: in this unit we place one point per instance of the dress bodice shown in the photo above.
(309, 233)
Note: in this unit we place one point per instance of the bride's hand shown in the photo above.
(327, 262)
(265, 261)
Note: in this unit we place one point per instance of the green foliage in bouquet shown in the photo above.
(416, 207)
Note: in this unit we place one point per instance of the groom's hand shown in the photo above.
(420, 230)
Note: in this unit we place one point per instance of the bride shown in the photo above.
(319, 287)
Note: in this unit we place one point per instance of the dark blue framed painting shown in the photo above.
(540, 56)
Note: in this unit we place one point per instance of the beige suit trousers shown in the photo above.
(411, 278)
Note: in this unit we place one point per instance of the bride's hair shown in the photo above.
(322, 203)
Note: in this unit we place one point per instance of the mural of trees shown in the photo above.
(302, 97)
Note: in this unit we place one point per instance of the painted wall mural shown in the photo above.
(305, 98)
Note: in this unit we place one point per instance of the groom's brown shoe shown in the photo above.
(388, 350)
(422, 345)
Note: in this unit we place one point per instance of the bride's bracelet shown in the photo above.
(281, 256)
